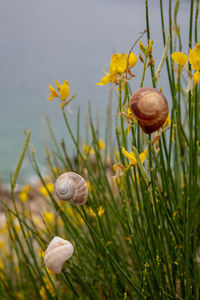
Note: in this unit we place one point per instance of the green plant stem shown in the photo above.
(21, 158)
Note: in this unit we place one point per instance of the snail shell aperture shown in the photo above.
(58, 251)
(150, 108)
(71, 187)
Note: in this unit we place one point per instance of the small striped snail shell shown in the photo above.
(58, 251)
(150, 108)
(71, 187)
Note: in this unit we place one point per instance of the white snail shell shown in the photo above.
(58, 251)
(72, 188)
(150, 108)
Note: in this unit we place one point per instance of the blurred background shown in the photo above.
(45, 40)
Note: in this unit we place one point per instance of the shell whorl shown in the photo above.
(58, 251)
(150, 108)
(71, 187)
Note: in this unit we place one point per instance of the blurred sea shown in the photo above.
(45, 40)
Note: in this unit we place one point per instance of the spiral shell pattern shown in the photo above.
(58, 251)
(71, 187)
(150, 108)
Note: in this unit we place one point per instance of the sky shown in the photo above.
(45, 40)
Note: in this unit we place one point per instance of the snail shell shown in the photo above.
(150, 108)
(58, 251)
(72, 188)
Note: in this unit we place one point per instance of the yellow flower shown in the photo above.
(43, 189)
(129, 113)
(150, 47)
(87, 149)
(37, 221)
(17, 269)
(19, 295)
(141, 46)
(119, 170)
(132, 60)
(118, 66)
(118, 63)
(26, 188)
(43, 293)
(100, 212)
(3, 228)
(167, 122)
(132, 158)
(90, 186)
(2, 245)
(180, 58)
(107, 79)
(53, 93)
(63, 90)
(2, 267)
(196, 77)
(23, 195)
(101, 144)
(49, 287)
(194, 57)
(48, 217)
(146, 50)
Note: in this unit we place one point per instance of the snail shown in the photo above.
(150, 108)
(72, 188)
(58, 251)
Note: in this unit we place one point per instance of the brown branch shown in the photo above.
(140, 36)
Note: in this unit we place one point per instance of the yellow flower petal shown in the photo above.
(129, 111)
(48, 217)
(92, 213)
(196, 77)
(101, 144)
(130, 156)
(90, 186)
(143, 155)
(26, 188)
(58, 85)
(2, 267)
(52, 90)
(180, 58)
(194, 57)
(43, 189)
(105, 80)
(167, 122)
(129, 129)
(88, 149)
(64, 90)
(101, 211)
(53, 93)
(23, 196)
(118, 63)
(132, 60)
(141, 46)
(150, 47)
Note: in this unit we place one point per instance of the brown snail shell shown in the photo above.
(150, 108)
(71, 187)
